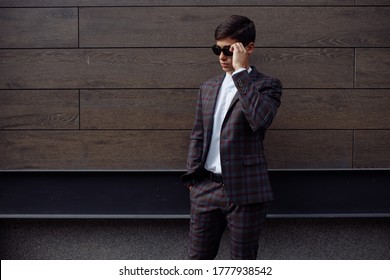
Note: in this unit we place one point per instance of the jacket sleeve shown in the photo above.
(195, 151)
(260, 99)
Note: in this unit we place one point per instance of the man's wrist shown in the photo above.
(239, 70)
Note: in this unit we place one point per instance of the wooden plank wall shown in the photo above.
(104, 84)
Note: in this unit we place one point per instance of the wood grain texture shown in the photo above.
(160, 149)
(46, 109)
(138, 109)
(102, 3)
(307, 68)
(373, 2)
(194, 26)
(373, 68)
(109, 68)
(175, 109)
(334, 109)
(171, 68)
(96, 149)
(308, 149)
(112, 84)
(38, 28)
(372, 149)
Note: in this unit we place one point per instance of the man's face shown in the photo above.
(226, 61)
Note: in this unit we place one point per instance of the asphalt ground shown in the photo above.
(294, 239)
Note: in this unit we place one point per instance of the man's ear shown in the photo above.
(250, 48)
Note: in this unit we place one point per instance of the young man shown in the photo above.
(226, 168)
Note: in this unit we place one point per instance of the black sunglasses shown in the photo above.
(217, 50)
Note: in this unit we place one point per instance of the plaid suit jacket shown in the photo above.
(244, 166)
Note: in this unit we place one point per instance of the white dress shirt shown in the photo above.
(225, 96)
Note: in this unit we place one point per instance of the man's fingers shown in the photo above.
(238, 47)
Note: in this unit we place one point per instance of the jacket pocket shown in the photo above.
(250, 160)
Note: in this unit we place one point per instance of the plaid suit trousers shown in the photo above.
(211, 213)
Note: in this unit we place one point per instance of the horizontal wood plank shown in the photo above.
(46, 109)
(373, 2)
(112, 68)
(132, 3)
(307, 68)
(194, 26)
(334, 109)
(160, 149)
(137, 109)
(171, 68)
(372, 68)
(175, 109)
(371, 149)
(39, 28)
(94, 149)
(309, 149)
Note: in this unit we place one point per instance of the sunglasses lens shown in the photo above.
(227, 52)
(217, 50)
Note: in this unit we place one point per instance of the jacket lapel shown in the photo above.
(209, 108)
(211, 101)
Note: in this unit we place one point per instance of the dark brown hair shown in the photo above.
(238, 28)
